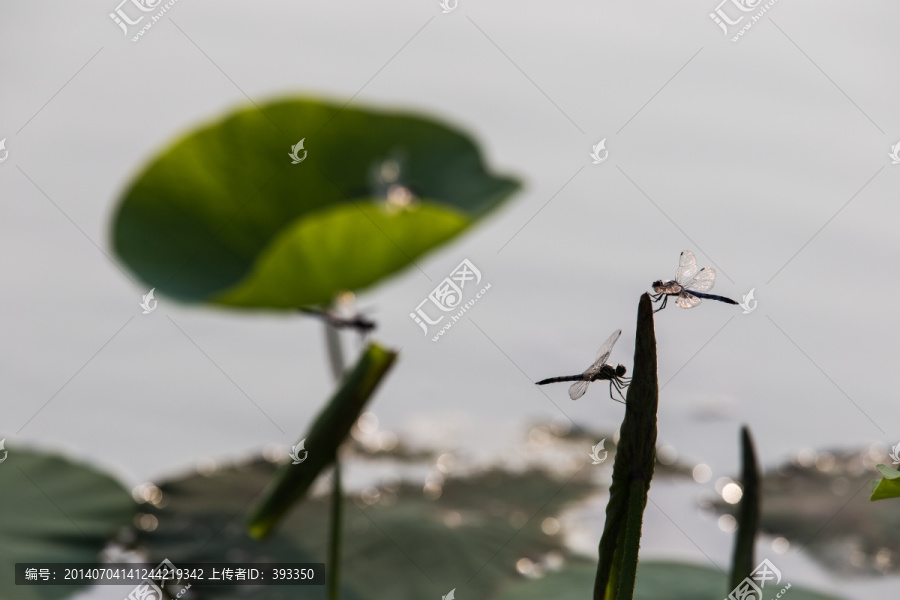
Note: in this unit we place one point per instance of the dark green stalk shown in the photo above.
(329, 429)
(336, 360)
(335, 352)
(631, 540)
(632, 470)
(743, 563)
(335, 533)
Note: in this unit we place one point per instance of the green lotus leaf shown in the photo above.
(226, 215)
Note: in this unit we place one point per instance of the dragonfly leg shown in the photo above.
(665, 298)
(622, 386)
(613, 382)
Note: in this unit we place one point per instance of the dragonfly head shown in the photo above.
(621, 370)
(658, 286)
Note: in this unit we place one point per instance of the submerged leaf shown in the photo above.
(823, 507)
(657, 580)
(397, 541)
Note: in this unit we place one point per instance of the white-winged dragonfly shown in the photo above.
(689, 285)
(598, 370)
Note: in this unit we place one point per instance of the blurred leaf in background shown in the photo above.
(224, 216)
(55, 510)
(400, 541)
(860, 538)
(480, 531)
(497, 534)
(888, 486)
(657, 580)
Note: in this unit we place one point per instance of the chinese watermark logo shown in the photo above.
(595, 452)
(295, 149)
(894, 154)
(748, 303)
(295, 453)
(449, 6)
(751, 588)
(895, 454)
(3, 449)
(148, 303)
(124, 20)
(448, 297)
(734, 17)
(4, 153)
(596, 153)
(152, 587)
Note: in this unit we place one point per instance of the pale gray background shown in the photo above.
(745, 152)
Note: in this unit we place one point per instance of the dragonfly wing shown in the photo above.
(606, 349)
(687, 266)
(687, 300)
(578, 389)
(702, 281)
(603, 354)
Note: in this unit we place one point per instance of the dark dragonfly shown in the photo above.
(689, 285)
(358, 322)
(598, 370)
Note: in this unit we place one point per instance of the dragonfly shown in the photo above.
(598, 370)
(358, 322)
(689, 286)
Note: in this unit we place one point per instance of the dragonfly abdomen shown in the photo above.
(713, 297)
(559, 379)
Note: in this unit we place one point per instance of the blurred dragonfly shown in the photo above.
(360, 323)
(598, 370)
(689, 285)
